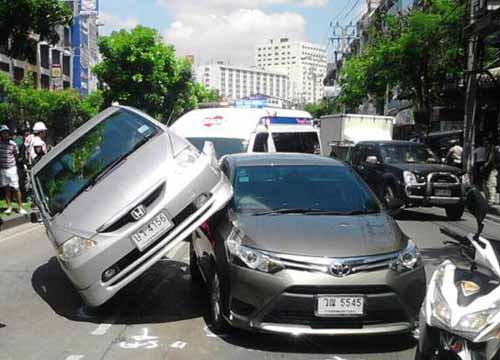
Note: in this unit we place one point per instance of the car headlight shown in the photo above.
(465, 179)
(476, 322)
(187, 157)
(250, 257)
(440, 309)
(410, 178)
(409, 258)
(74, 247)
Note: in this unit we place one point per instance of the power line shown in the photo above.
(341, 11)
(353, 7)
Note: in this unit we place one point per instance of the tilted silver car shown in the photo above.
(120, 192)
(306, 248)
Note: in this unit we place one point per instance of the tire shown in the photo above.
(389, 193)
(217, 322)
(196, 276)
(455, 212)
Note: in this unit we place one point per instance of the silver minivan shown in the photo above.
(118, 193)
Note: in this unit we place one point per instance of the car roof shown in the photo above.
(389, 142)
(277, 159)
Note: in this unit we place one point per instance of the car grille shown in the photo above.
(308, 318)
(443, 178)
(135, 254)
(315, 290)
(127, 218)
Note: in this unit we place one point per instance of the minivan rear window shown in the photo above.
(80, 165)
(296, 142)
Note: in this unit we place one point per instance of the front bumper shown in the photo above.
(286, 302)
(117, 248)
(429, 193)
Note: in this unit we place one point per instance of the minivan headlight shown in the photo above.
(250, 257)
(74, 247)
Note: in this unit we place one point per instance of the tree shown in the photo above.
(140, 70)
(421, 54)
(19, 19)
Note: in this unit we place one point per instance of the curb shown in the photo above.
(16, 220)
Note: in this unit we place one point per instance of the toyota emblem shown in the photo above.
(138, 212)
(340, 270)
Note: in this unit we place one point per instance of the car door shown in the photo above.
(356, 160)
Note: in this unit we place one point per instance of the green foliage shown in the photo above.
(140, 70)
(324, 107)
(62, 111)
(420, 53)
(21, 18)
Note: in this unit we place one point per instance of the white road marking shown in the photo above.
(141, 341)
(75, 357)
(178, 345)
(101, 329)
(10, 234)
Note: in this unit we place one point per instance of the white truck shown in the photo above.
(340, 132)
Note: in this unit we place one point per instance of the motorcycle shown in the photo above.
(460, 316)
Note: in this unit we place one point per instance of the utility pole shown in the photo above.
(341, 39)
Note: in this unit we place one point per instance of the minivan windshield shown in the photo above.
(300, 188)
(96, 152)
(223, 146)
(296, 142)
(408, 153)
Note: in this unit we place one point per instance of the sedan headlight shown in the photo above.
(186, 157)
(409, 258)
(410, 178)
(74, 247)
(250, 257)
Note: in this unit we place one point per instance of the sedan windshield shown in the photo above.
(223, 146)
(90, 157)
(408, 153)
(311, 190)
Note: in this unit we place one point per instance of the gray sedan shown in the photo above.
(306, 248)
(120, 192)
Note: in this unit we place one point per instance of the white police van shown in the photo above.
(237, 130)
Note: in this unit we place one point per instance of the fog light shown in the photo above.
(201, 200)
(110, 273)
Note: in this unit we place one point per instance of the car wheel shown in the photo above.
(390, 195)
(455, 212)
(217, 321)
(193, 266)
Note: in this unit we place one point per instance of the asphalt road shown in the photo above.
(161, 314)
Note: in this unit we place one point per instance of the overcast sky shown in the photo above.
(229, 29)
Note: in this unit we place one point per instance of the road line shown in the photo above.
(75, 357)
(101, 329)
(19, 233)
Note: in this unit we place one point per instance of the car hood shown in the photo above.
(330, 236)
(120, 190)
(424, 169)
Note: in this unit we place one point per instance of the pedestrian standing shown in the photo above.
(490, 171)
(39, 134)
(454, 156)
(9, 178)
(480, 157)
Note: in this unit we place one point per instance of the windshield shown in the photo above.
(323, 188)
(223, 146)
(77, 167)
(296, 142)
(408, 153)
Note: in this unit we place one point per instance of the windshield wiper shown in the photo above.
(286, 211)
(107, 170)
(312, 211)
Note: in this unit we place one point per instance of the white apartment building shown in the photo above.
(235, 82)
(305, 64)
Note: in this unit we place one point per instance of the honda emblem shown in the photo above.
(138, 212)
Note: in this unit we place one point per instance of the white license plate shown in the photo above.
(158, 225)
(442, 192)
(340, 305)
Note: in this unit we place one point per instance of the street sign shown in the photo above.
(56, 71)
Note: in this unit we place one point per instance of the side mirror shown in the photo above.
(477, 206)
(371, 160)
(209, 150)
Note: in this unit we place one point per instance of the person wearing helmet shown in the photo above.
(39, 132)
(9, 178)
(39, 149)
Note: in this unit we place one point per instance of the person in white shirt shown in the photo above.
(480, 157)
(454, 156)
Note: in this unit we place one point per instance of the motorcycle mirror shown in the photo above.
(478, 207)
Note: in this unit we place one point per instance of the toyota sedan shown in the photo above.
(305, 247)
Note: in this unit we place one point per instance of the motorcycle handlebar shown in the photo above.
(462, 240)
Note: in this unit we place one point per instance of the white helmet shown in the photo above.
(39, 126)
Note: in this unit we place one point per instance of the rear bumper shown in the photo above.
(286, 302)
(122, 248)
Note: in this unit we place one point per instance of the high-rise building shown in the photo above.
(305, 64)
(235, 82)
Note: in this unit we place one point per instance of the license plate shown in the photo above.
(442, 192)
(340, 306)
(146, 235)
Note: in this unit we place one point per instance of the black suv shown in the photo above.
(410, 172)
